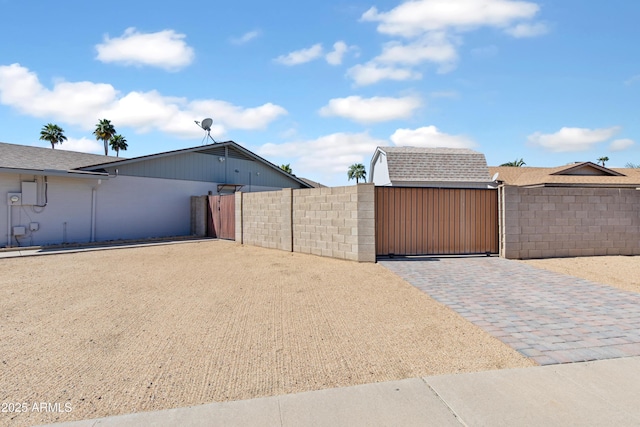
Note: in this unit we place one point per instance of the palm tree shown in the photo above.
(117, 143)
(603, 159)
(287, 168)
(104, 132)
(356, 171)
(516, 163)
(632, 165)
(52, 133)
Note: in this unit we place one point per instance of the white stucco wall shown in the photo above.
(380, 171)
(132, 207)
(126, 208)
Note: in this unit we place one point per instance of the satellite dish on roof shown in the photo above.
(206, 125)
(495, 177)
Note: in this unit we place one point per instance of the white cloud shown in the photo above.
(301, 56)
(416, 17)
(434, 47)
(164, 49)
(83, 145)
(572, 139)
(246, 37)
(432, 32)
(526, 29)
(621, 144)
(370, 73)
(327, 155)
(371, 110)
(430, 136)
(334, 57)
(84, 103)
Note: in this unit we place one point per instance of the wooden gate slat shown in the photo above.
(436, 221)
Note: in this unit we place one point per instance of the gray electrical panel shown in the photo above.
(29, 193)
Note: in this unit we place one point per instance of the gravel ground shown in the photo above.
(140, 329)
(620, 271)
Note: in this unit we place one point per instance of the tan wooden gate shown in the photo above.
(222, 217)
(436, 221)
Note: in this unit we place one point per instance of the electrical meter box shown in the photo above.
(29, 193)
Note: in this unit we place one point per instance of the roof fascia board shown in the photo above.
(52, 172)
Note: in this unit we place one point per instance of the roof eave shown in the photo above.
(56, 172)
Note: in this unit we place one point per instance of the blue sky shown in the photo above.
(320, 84)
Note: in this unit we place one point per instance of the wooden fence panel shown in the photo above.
(436, 221)
(222, 217)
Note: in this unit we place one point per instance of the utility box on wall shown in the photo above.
(29, 193)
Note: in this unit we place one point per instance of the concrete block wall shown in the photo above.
(550, 222)
(335, 222)
(264, 219)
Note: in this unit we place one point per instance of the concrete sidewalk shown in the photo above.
(600, 393)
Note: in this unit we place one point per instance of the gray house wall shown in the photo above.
(209, 168)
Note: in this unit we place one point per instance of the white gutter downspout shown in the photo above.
(93, 210)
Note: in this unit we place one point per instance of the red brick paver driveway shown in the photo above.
(549, 317)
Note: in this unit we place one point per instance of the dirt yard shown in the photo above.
(128, 330)
(620, 271)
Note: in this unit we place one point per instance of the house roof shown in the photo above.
(584, 174)
(213, 149)
(23, 158)
(313, 184)
(13, 156)
(435, 164)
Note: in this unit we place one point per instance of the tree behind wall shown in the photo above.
(52, 133)
(104, 132)
(356, 171)
(516, 163)
(117, 143)
(287, 168)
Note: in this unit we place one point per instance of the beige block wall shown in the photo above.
(264, 219)
(335, 222)
(550, 222)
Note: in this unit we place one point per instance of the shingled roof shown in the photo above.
(584, 174)
(14, 156)
(412, 164)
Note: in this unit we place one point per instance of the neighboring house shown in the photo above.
(57, 196)
(313, 184)
(429, 167)
(580, 209)
(580, 174)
